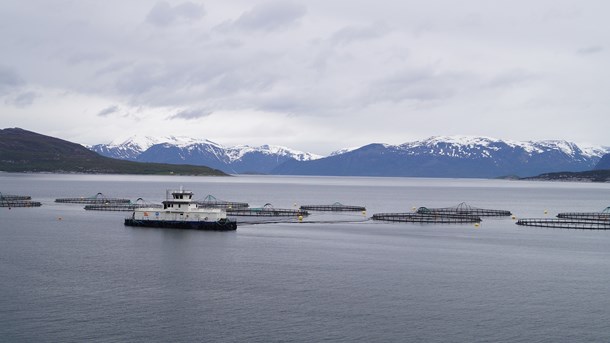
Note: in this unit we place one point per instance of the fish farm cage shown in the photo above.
(140, 203)
(336, 207)
(12, 197)
(99, 198)
(603, 215)
(266, 211)
(564, 223)
(464, 209)
(427, 218)
(9, 200)
(210, 201)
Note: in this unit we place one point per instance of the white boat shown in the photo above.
(181, 212)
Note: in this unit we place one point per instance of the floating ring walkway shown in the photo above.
(464, 209)
(336, 207)
(10, 200)
(12, 197)
(562, 223)
(140, 203)
(427, 218)
(603, 215)
(266, 211)
(211, 201)
(99, 198)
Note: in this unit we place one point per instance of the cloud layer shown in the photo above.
(335, 74)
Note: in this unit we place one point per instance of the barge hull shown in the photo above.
(221, 225)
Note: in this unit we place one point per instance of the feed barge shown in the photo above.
(336, 207)
(99, 198)
(181, 212)
(464, 209)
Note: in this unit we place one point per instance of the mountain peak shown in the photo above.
(451, 156)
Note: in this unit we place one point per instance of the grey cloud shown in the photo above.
(112, 67)
(270, 16)
(419, 85)
(213, 79)
(25, 99)
(85, 57)
(509, 79)
(590, 50)
(144, 78)
(163, 14)
(108, 110)
(350, 34)
(189, 114)
(9, 80)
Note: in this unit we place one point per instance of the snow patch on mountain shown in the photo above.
(344, 150)
(145, 142)
(237, 152)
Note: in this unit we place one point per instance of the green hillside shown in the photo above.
(26, 151)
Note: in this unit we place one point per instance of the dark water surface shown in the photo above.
(69, 275)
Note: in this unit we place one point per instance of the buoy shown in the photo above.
(300, 218)
(545, 211)
(414, 208)
(514, 217)
(364, 213)
(476, 224)
(295, 204)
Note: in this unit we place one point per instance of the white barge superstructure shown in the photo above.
(181, 212)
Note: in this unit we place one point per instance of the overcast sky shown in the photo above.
(315, 75)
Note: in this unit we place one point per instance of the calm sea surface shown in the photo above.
(69, 275)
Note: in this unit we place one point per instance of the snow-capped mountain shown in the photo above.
(185, 150)
(439, 156)
(453, 156)
(132, 147)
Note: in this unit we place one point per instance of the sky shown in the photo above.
(315, 75)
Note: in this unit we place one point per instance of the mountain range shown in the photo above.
(440, 156)
(241, 159)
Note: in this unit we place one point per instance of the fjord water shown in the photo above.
(72, 275)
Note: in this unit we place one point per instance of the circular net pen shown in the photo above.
(336, 207)
(19, 203)
(603, 215)
(464, 209)
(266, 211)
(427, 218)
(122, 207)
(210, 201)
(99, 198)
(12, 197)
(560, 223)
